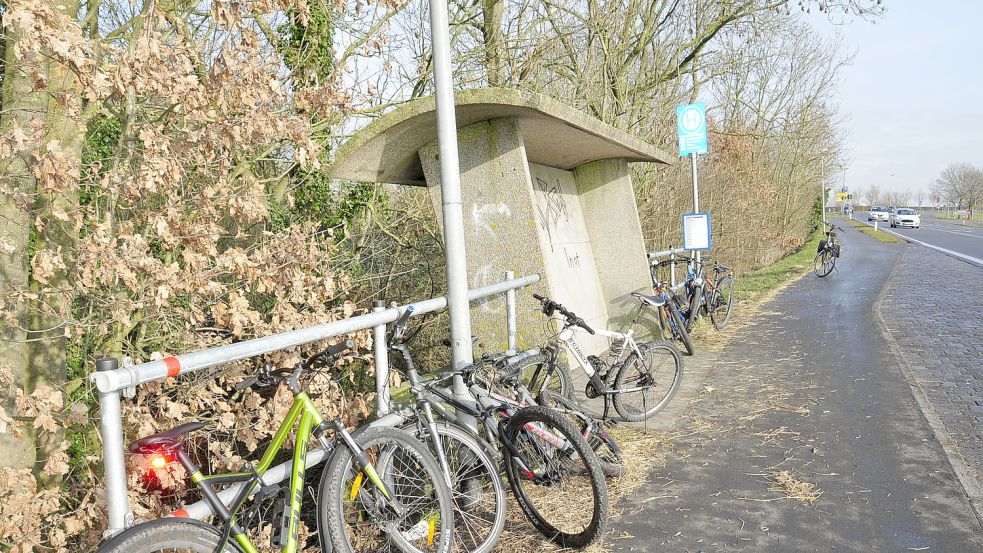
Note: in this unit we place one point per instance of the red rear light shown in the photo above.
(157, 461)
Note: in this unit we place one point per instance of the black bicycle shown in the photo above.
(550, 467)
(827, 253)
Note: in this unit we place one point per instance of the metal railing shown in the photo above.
(111, 380)
(656, 257)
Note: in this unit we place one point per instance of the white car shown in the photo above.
(903, 217)
(878, 213)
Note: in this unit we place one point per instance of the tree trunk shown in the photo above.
(493, 11)
(21, 104)
(35, 346)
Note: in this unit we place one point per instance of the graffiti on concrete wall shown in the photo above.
(552, 207)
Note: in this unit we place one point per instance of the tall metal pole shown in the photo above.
(696, 197)
(450, 194)
(822, 193)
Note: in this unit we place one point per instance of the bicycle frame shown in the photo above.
(311, 423)
(568, 338)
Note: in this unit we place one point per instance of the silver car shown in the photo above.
(878, 213)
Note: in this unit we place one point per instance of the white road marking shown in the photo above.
(962, 256)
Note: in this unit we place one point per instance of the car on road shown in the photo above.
(904, 217)
(878, 213)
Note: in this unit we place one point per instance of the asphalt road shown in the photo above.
(807, 401)
(967, 240)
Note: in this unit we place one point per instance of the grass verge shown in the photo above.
(885, 237)
(756, 286)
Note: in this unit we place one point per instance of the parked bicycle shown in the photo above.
(828, 252)
(711, 297)
(671, 309)
(381, 491)
(504, 380)
(551, 469)
(638, 380)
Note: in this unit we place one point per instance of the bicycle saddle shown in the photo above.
(654, 301)
(168, 440)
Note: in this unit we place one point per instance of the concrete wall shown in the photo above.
(567, 251)
(578, 229)
(499, 225)
(607, 200)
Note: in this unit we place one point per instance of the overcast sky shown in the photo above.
(913, 97)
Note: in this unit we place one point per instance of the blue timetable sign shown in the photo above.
(691, 124)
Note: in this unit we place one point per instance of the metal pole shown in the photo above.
(111, 429)
(450, 195)
(511, 315)
(672, 267)
(696, 199)
(822, 193)
(381, 351)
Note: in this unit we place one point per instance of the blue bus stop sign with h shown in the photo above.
(691, 123)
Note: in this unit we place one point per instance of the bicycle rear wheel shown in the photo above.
(555, 477)
(477, 488)
(722, 302)
(357, 517)
(655, 377)
(170, 535)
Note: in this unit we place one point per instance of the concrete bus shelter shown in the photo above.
(546, 190)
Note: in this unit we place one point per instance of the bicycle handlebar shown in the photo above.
(268, 376)
(550, 307)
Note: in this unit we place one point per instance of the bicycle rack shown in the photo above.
(113, 380)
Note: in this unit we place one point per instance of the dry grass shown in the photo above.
(644, 450)
(793, 488)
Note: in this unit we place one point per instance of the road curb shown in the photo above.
(964, 472)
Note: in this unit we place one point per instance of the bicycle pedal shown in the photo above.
(278, 537)
(266, 492)
(610, 423)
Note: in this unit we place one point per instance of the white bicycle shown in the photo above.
(638, 379)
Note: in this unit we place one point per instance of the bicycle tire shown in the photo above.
(679, 331)
(558, 372)
(334, 490)
(725, 283)
(821, 265)
(473, 540)
(604, 446)
(633, 363)
(167, 534)
(580, 460)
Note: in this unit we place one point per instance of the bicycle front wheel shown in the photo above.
(824, 262)
(645, 384)
(555, 477)
(419, 518)
(541, 372)
(607, 450)
(678, 326)
(168, 535)
(722, 302)
(477, 488)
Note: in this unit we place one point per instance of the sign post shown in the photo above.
(691, 124)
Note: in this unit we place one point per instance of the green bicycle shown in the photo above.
(382, 491)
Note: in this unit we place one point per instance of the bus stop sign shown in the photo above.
(691, 123)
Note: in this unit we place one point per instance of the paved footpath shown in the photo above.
(810, 393)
